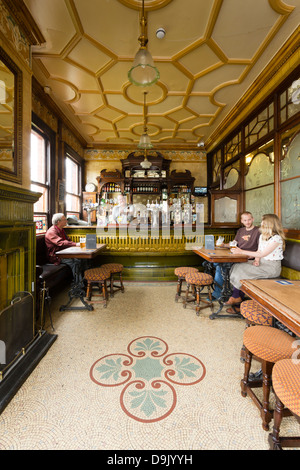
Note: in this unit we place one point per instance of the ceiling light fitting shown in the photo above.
(145, 141)
(143, 71)
(145, 163)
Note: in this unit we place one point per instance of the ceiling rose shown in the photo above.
(149, 4)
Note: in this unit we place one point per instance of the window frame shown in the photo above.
(42, 130)
(75, 158)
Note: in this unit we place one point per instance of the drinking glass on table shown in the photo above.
(82, 242)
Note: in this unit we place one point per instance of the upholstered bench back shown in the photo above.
(291, 261)
(41, 252)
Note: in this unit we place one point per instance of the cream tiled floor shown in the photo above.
(60, 407)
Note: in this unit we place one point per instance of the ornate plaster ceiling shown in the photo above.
(211, 53)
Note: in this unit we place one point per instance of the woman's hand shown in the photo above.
(256, 262)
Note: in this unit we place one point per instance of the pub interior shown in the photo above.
(151, 159)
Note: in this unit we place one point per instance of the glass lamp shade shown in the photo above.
(145, 142)
(146, 164)
(143, 71)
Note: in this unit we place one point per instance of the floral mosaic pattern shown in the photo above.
(148, 375)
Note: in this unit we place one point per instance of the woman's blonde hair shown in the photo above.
(271, 225)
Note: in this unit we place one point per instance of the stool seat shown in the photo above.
(286, 384)
(97, 276)
(182, 271)
(269, 344)
(255, 314)
(113, 267)
(199, 279)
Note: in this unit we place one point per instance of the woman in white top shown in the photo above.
(267, 258)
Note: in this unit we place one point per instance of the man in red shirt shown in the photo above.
(56, 239)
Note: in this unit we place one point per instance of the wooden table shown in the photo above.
(77, 289)
(279, 297)
(225, 258)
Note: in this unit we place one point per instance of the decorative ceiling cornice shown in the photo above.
(25, 20)
(267, 81)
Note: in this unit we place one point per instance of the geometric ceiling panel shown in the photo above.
(211, 53)
(202, 105)
(250, 30)
(60, 69)
(199, 59)
(211, 80)
(180, 115)
(87, 103)
(85, 54)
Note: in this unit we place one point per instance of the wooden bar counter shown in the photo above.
(152, 257)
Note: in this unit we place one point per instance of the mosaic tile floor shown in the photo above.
(92, 389)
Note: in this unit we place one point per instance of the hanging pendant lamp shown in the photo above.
(143, 71)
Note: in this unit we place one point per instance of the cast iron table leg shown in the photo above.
(76, 292)
(225, 293)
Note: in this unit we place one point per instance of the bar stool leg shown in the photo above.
(245, 380)
(186, 295)
(274, 439)
(111, 285)
(121, 283)
(178, 291)
(266, 414)
(89, 291)
(104, 293)
(197, 301)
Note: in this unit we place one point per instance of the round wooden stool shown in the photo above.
(254, 314)
(98, 276)
(198, 281)
(286, 385)
(268, 346)
(114, 269)
(180, 273)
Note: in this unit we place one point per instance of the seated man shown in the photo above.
(56, 239)
(247, 236)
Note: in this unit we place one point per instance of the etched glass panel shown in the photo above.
(290, 165)
(290, 101)
(217, 159)
(231, 178)
(260, 201)
(290, 204)
(225, 210)
(261, 171)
